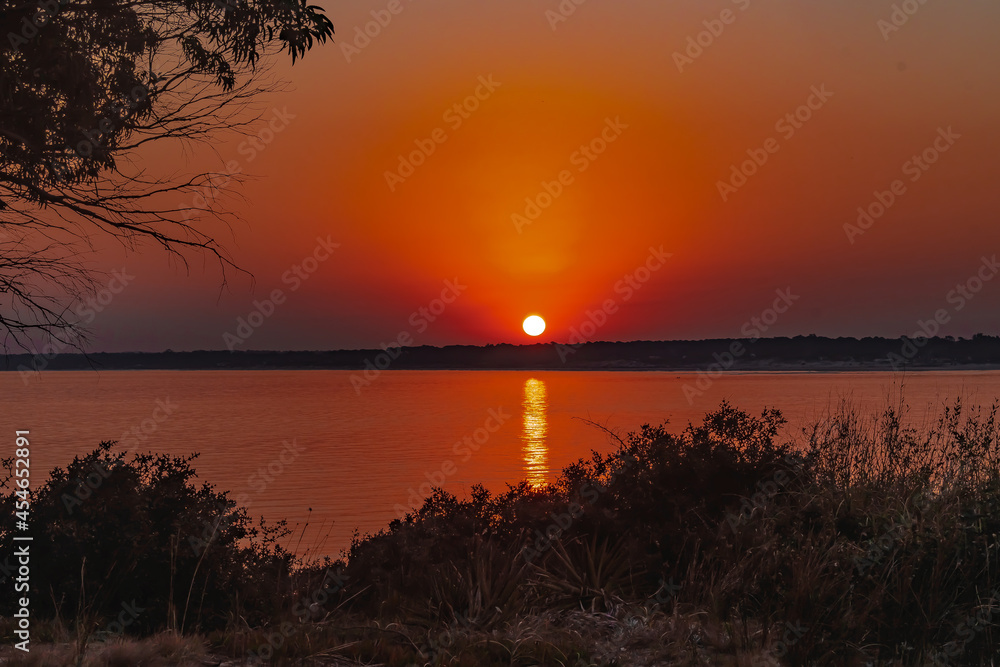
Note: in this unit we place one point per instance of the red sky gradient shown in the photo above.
(655, 185)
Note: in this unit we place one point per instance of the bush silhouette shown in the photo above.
(134, 544)
(868, 541)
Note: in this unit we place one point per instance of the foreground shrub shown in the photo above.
(133, 545)
(869, 541)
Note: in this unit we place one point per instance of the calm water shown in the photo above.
(355, 458)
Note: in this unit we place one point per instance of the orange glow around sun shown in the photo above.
(507, 204)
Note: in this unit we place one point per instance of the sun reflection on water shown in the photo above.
(536, 426)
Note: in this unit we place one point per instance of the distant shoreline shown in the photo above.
(798, 354)
(541, 369)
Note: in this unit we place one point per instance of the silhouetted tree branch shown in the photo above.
(86, 87)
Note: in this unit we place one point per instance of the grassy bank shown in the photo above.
(864, 541)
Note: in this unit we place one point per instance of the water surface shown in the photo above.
(288, 441)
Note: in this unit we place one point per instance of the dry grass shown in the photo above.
(162, 650)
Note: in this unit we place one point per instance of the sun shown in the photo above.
(533, 325)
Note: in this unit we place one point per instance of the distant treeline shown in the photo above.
(804, 352)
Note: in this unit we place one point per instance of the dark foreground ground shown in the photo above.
(863, 542)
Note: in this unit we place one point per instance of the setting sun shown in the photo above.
(533, 325)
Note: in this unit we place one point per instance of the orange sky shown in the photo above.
(656, 184)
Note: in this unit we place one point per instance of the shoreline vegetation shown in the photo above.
(867, 539)
(729, 354)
